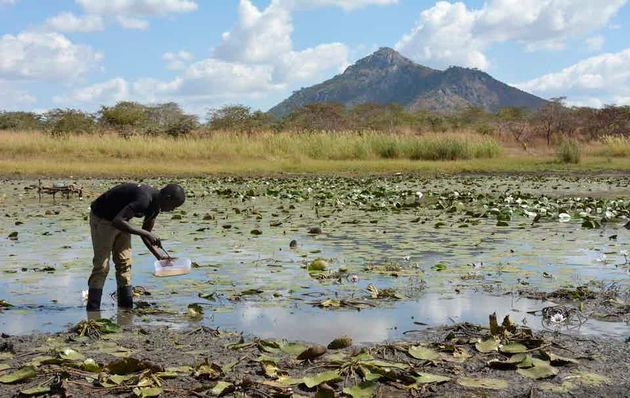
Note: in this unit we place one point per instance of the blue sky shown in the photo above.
(202, 54)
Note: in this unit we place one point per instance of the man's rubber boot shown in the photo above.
(125, 297)
(94, 299)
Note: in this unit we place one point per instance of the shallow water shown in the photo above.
(483, 262)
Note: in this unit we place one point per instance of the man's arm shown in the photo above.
(121, 221)
(148, 225)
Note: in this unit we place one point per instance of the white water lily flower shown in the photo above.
(354, 278)
(609, 214)
(623, 252)
(419, 194)
(564, 217)
(583, 214)
(602, 258)
(84, 295)
(557, 318)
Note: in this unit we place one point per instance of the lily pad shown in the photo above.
(220, 388)
(424, 353)
(324, 377)
(512, 348)
(540, 370)
(70, 355)
(34, 391)
(481, 382)
(147, 392)
(488, 345)
(366, 389)
(22, 374)
(426, 378)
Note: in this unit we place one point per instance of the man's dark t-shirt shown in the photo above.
(142, 198)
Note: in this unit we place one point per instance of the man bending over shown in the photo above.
(111, 233)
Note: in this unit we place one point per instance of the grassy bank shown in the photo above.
(32, 153)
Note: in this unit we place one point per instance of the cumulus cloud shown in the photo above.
(113, 90)
(36, 55)
(254, 59)
(68, 22)
(345, 4)
(451, 33)
(177, 60)
(595, 81)
(132, 14)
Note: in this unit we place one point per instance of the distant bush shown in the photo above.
(239, 118)
(568, 152)
(616, 146)
(20, 121)
(60, 122)
(125, 117)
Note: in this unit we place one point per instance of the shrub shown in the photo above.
(568, 152)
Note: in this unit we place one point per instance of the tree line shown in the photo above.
(552, 121)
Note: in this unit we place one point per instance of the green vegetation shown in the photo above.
(569, 152)
(616, 146)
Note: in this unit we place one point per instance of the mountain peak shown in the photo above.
(382, 58)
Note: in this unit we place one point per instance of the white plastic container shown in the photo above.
(172, 267)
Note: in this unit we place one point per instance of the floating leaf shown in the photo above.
(426, 378)
(376, 363)
(317, 265)
(22, 374)
(324, 377)
(489, 345)
(540, 370)
(70, 355)
(439, 267)
(487, 383)
(512, 348)
(557, 359)
(424, 353)
(220, 388)
(5, 356)
(195, 310)
(34, 391)
(364, 390)
(4, 366)
(293, 349)
(90, 365)
(147, 392)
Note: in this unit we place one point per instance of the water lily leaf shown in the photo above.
(540, 370)
(488, 345)
(487, 383)
(120, 379)
(521, 360)
(293, 349)
(555, 359)
(5, 356)
(439, 267)
(366, 389)
(90, 365)
(376, 363)
(270, 369)
(317, 265)
(220, 388)
(512, 348)
(195, 311)
(424, 353)
(426, 378)
(70, 355)
(324, 377)
(4, 366)
(22, 374)
(167, 375)
(210, 371)
(34, 391)
(147, 392)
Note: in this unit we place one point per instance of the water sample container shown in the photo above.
(172, 267)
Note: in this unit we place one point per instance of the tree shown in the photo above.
(321, 116)
(169, 119)
(239, 118)
(20, 121)
(126, 117)
(553, 118)
(515, 120)
(61, 122)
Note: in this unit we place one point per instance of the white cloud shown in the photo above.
(14, 98)
(595, 81)
(451, 33)
(7, 2)
(132, 23)
(34, 55)
(137, 8)
(68, 22)
(132, 14)
(595, 43)
(177, 60)
(113, 90)
(345, 4)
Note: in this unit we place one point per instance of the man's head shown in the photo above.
(171, 197)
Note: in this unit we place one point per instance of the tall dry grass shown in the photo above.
(615, 146)
(263, 146)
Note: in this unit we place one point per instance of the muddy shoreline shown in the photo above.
(440, 361)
